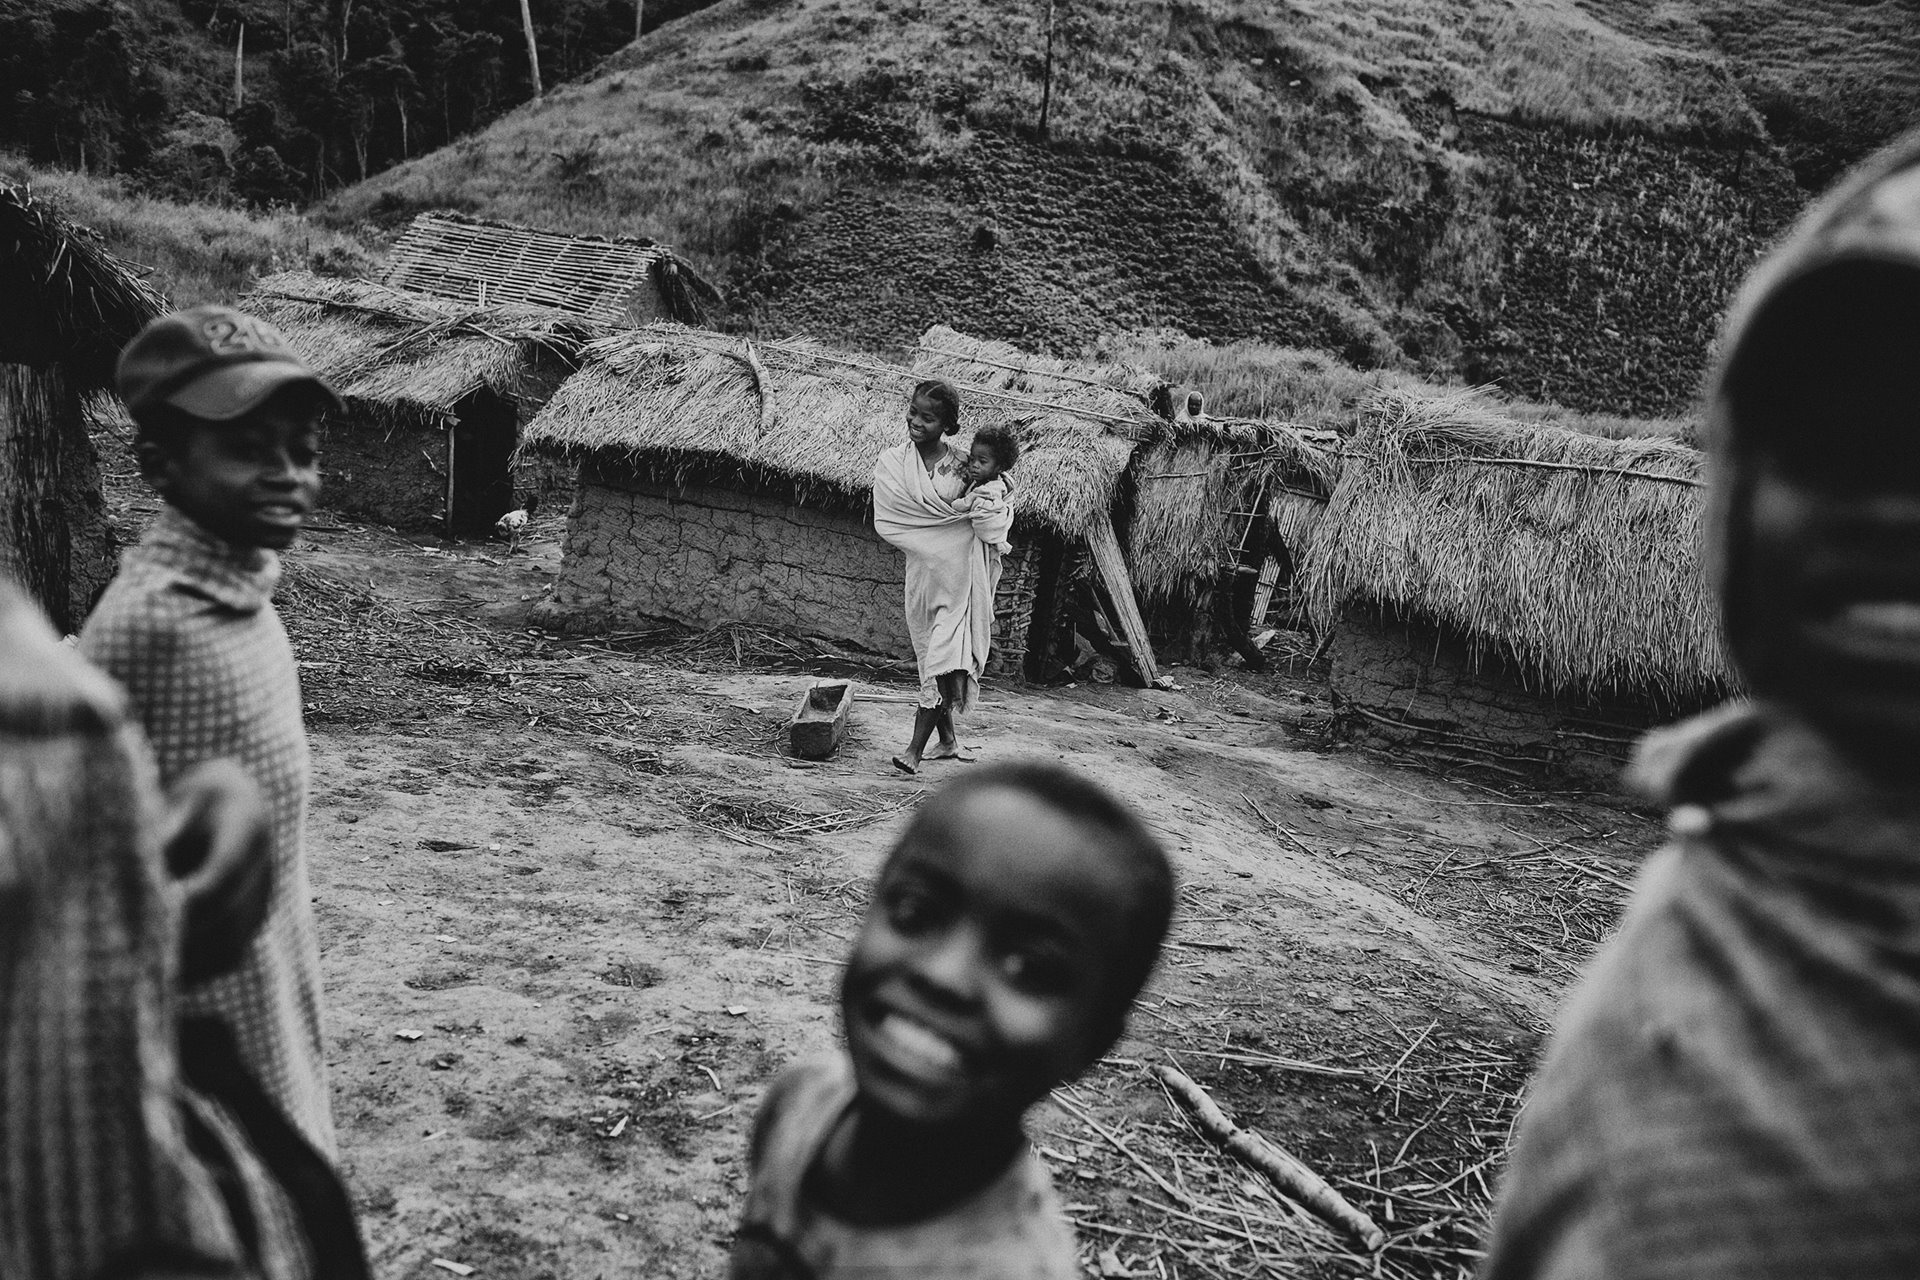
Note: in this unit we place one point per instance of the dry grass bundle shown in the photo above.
(1574, 554)
(69, 301)
(797, 418)
(1193, 495)
(404, 354)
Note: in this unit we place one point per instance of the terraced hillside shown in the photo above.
(1555, 196)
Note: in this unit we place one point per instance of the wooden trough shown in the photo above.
(819, 722)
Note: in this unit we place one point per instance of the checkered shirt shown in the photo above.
(189, 628)
(1734, 1091)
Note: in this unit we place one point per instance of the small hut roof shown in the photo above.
(1574, 554)
(999, 366)
(797, 416)
(477, 262)
(69, 301)
(407, 355)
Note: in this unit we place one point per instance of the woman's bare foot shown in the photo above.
(952, 751)
(906, 765)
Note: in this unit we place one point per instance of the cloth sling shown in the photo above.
(953, 568)
(189, 629)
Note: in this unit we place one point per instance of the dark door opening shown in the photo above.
(482, 447)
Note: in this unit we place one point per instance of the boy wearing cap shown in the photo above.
(226, 432)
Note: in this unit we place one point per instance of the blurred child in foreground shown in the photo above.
(1008, 934)
(132, 1145)
(225, 420)
(1734, 1090)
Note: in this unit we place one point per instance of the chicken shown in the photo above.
(514, 523)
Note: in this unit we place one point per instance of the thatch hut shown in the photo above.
(620, 282)
(436, 394)
(1511, 591)
(726, 481)
(71, 306)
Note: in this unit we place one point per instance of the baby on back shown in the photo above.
(992, 454)
(1008, 934)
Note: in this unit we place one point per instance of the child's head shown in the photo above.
(995, 449)
(933, 412)
(1008, 934)
(1815, 425)
(226, 420)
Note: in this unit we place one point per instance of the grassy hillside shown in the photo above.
(1557, 197)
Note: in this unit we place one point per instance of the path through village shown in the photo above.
(577, 908)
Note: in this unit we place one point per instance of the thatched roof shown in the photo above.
(482, 263)
(405, 356)
(1195, 493)
(1573, 554)
(68, 300)
(801, 419)
(999, 366)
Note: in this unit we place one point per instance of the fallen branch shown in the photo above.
(1279, 1167)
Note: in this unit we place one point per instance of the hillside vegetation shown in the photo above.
(1554, 197)
(1557, 198)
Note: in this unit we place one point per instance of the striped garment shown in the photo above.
(189, 629)
(109, 1163)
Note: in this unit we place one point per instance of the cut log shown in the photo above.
(1280, 1167)
(820, 720)
(1104, 546)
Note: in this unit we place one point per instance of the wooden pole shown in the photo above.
(533, 50)
(239, 82)
(639, 17)
(1281, 1167)
(1046, 76)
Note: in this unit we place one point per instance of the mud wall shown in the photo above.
(638, 553)
(395, 475)
(1405, 681)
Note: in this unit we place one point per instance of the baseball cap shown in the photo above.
(212, 362)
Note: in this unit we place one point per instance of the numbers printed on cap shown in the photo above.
(227, 334)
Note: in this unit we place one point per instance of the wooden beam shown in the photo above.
(1104, 545)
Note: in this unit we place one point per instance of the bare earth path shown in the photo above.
(577, 909)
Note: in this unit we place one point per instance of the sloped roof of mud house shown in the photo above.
(685, 404)
(405, 357)
(1191, 480)
(1572, 554)
(618, 281)
(69, 301)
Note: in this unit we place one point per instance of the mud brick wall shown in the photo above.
(638, 553)
(377, 471)
(1436, 691)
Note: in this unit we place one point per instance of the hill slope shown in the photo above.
(1553, 196)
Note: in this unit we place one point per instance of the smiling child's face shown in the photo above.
(924, 423)
(980, 979)
(982, 466)
(253, 481)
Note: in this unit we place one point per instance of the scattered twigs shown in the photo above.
(1277, 1165)
(1079, 1113)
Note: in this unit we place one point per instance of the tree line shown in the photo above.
(280, 101)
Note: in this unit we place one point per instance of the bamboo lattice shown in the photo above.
(488, 263)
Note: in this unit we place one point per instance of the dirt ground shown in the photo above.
(577, 908)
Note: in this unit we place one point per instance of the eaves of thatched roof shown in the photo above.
(1574, 555)
(477, 262)
(407, 356)
(67, 300)
(667, 400)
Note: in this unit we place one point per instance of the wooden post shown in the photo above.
(639, 17)
(1104, 545)
(1046, 76)
(533, 50)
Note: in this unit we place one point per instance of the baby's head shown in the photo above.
(226, 422)
(1814, 416)
(994, 450)
(1008, 934)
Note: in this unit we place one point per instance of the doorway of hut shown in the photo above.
(479, 456)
